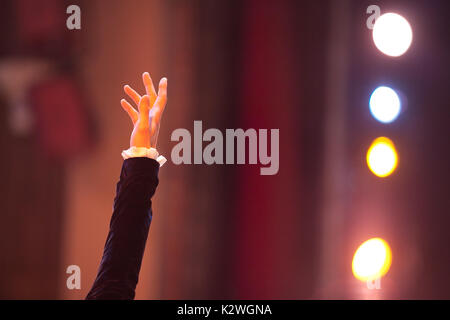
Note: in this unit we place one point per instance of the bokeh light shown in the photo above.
(392, 34)
(382, 157)
(372, 259)
(384, 104)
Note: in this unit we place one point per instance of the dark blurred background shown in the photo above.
(305, 67)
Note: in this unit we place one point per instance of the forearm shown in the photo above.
(122, 257)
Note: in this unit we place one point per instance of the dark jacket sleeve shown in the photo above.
(130, 222)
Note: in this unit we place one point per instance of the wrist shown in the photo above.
(143, 152)
(140, 138)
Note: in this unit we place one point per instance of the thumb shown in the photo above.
(144, 107)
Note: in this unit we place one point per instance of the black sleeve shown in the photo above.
(119, 269)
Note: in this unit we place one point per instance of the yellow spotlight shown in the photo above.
(372, 259)
(382, 157)
(392, 34)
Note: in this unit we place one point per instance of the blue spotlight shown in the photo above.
(385, 105)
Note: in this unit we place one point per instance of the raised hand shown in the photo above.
(150, 107)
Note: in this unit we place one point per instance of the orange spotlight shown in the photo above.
(372, 259)
(382, 157)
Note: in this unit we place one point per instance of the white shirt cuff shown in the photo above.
(151, 153)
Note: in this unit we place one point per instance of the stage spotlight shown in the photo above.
(392, 34)
(382, 157)
(372, 259)
(384, 104)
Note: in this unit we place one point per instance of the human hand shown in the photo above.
(147, 118)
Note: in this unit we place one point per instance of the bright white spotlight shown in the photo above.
(384, 104)
(392, 34)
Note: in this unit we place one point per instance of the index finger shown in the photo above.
(161, 101)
